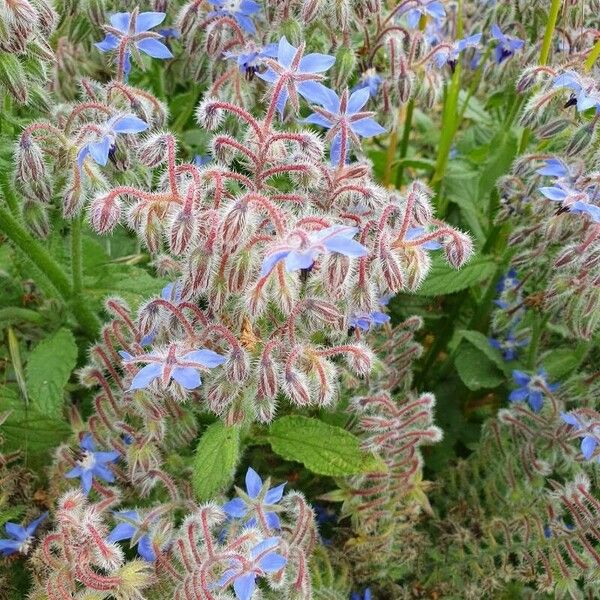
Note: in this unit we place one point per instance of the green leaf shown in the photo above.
(563, 361)
(482, 343)
(48, 369)
(444, 279)
(324, 449)
(27, 429)
(503, 149)
(475, 369)
(216, 458)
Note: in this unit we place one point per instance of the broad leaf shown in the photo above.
(482, 343)
(324, 449)
(475, 369)
(216, 458)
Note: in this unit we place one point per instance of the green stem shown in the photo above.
(76, 260)
(15, 314)
(539, 325)
(38, 255)
(592, 57)
(550, 26)
(408, 117)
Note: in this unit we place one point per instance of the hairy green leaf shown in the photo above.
(475, 369)
(444, 279)
(322, 448)
(482, 343)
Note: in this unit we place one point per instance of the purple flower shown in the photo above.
(345, 120)
(554, 167)
(137, 31)
(301, 248)
(532, 388)
(433, 9)
(370, 80)
(92, 464)
(240, 10)
(243, 574)
(258, 502)
(509, 346)
(366, 595)
(364, 320)
(250, 59)
(19, 537)
(589, 434)
(131, 528)
(100, 149)
(450, 55)
(300, 75)
(585, 96)
(591, 210)
(507, 45)
(508, 282)
(168, 364)
(572, 200)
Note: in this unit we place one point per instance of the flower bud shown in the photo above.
(268, 385)
(208, 115)
(29, 160)
(105, 213)
(72, 201)
(296, 387)
(153, 150)
(310, 10)
(35, 216)
(238, 365)
(345, 63)
(581, 140)
(458, 250)
(552, 128)
(360, 359)
(13, 77)
(292, 30)
(181, 230)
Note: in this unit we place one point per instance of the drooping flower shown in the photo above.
(169, 364)
(251, 58)
(365, 320)
(590, 434)
(584, 92)
(532, 388)
(507, 45)
(257, 504)
(433, 9)
(240, 10)
(345, 119)
(509, 346)
(366, 595)
(19, 537)
(554, 167)
(130, 527)
(573, 200)
(450, 55)
(301, 248)
(243, 574)
(100, 149)
(92, 464)
(135, 28)
(414, 233)
(370, 80)
(298, 74)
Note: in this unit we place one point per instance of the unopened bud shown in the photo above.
(105, 213)
(345, 63)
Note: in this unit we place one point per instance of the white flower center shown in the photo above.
(88, 461)
(232, 5)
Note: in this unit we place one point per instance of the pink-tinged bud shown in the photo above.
(234, 224)
(238, 365)
(239, 272)
(153, 151)
(391, 269)
(417, 266)
(23, 19)
(565, 257)
(181, 230)
(218, 293)
(337, 268)
(310, 9)
(208, 114)
(323, 310)
(527, 80)
(29, 160)
(198, 274)
(360, 359)
(265, 409)
(215, 38)
(581, 139)
(306, 177)
(553, 128)
(105, 213)
(149, 318)
(458, 249)
(295, 385)
(268, 384)
(13, 77)
(422, 210)
(72, 201)
(96, 11)
(35, 216)
(160, 5)
(220, 396)
(187, 19)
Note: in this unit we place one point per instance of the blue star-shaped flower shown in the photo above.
(345, 119)
(370, 80)
(130, 528)
(450, 55)
(299, 74)
(554, 167)
(301, 248)
(509, 346)
(92, 464)
(532, 388)
(366, 595)
(135, 28)
(507, 45)
(589, 434)
(257, 502)
(585, 94)
(366, 320)
(100, 149)
(434, 10)
(19, 537)
(240, 10)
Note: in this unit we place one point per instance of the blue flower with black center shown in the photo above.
(240, 10)
(257, 504)
(532, 388)
(131, 527)
(433, 10)
(506, 46)
(19, 537)
(92, 464)
(584, 92)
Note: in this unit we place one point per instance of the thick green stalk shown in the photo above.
(550, 26)
(592, 57)
(408, 117)
(38, 255)
(76, 256)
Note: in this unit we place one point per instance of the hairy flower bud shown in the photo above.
(105, 213)
(35, 216)
(458, 249)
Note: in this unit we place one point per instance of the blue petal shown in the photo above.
(588, 445)
(285, 52)
(555, 194)
(121, 21)
(148, 20)
(145, 549)
(497, 33)
(316, 119)
(106, 457)
(267, 544)
(367, 127)
(207, 358)
(30, 529)
(245, 23)
(103, 473)
(584, 207)
(99, 150)
(357, 100)
(249, 7)
(317, 93)
(253, 483)
(536, 400)
(145, 376)
(271, 260)
(345, 246)
(297, 260)
(154, 48)
(123, 531)
(8, 547)
(518, 395)
(235, 508)
(568, 80)
(129, 124)
(18, 532)
(554, 167)
(272, 562)
(520, 377)
(275, 494)
(110, 42)
(86, 481)
(74, 472)
(187, 377)
(87, 443)
(273, 520)
(244, 586)
(316, 63)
